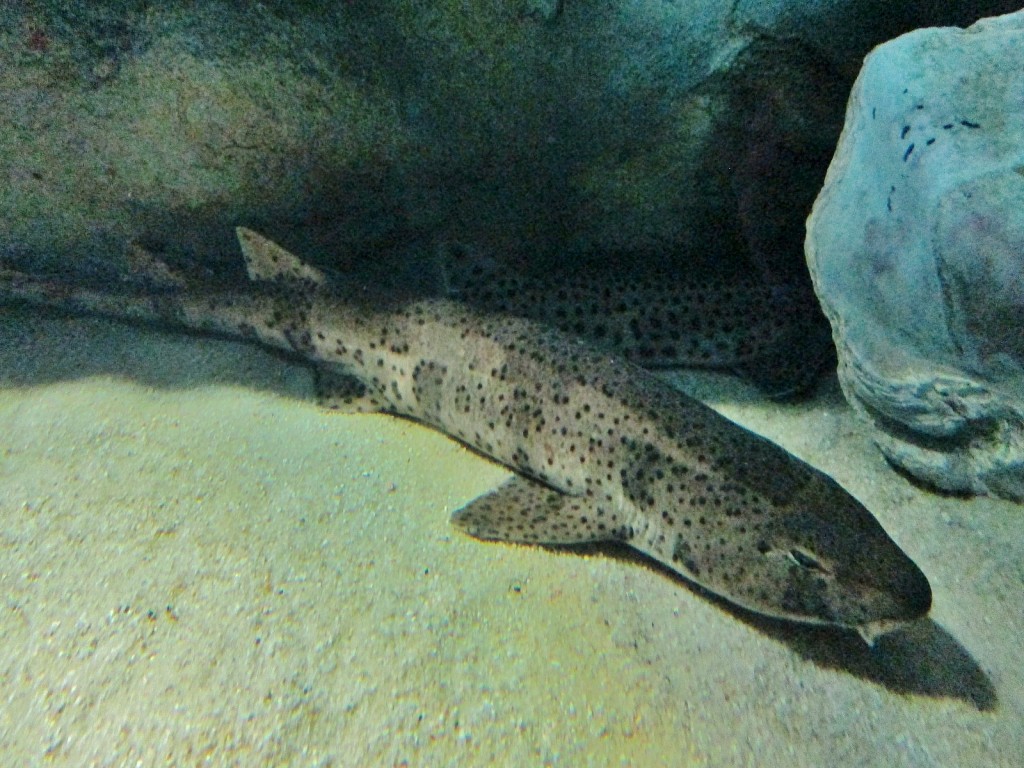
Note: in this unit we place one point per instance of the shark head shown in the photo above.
(841, 566)
(818, 556)
(771, 534)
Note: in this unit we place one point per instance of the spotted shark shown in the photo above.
(601, 449)
(773, 335)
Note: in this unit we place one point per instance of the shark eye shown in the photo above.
(804, 560)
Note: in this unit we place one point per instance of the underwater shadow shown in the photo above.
(921, 659)
(44, 346)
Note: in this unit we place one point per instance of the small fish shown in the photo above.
(774, 336)
(602, 449)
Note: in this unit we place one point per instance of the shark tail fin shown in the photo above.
(265, 260)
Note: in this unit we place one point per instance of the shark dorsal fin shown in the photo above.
(266, 260)
(146, 267)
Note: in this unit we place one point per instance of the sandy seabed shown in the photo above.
(199, 566)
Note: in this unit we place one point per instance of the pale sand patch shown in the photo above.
(200, 566)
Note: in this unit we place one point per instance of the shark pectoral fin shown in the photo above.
(343, 392)
(525, 511)
(266, 260)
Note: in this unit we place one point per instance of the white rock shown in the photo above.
(916, 247)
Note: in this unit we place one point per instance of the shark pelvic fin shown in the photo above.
(266, 260)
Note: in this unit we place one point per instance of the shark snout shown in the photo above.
(894, 588)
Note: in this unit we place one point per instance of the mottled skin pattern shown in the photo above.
(602, 449)
(775, 336)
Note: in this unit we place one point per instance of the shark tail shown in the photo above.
(150, 293)
(116, 301)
